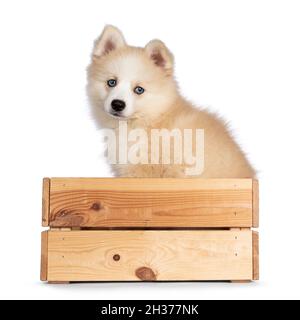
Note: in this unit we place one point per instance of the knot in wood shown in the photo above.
(145, 274)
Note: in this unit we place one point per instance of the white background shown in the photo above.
(241, 58)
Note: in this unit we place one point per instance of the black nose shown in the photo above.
(118, 105)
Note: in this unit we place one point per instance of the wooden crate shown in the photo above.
(119, 229)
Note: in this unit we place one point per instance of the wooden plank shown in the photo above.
(45, 203)
(255, 206)
(122, 202)
(148, 184)
(255, 248)
(149, 255)
(44, 256)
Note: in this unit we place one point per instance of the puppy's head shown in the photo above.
(127, 82)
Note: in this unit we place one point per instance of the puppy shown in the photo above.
(136, 87)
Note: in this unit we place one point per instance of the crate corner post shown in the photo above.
(46, 202)
(44, 256)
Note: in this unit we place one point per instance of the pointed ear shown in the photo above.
(110, 39)
(161, 55)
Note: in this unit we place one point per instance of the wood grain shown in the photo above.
(44, 256)
(149, 255)
(255, 248)
(255, 205)
(45, 203)
(122, 202)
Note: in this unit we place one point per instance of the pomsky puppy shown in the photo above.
(137, 85)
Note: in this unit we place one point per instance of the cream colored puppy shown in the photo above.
(137, 85)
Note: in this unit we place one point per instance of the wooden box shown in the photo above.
(119, 229)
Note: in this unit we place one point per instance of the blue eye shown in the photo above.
(139, 90)
(112, 83)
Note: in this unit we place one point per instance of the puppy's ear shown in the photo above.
(110, 39)
(161, 55)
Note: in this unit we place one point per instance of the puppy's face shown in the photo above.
(130, 82)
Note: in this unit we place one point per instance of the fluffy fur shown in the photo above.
(161, 106)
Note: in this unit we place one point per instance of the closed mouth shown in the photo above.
(116, 114)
